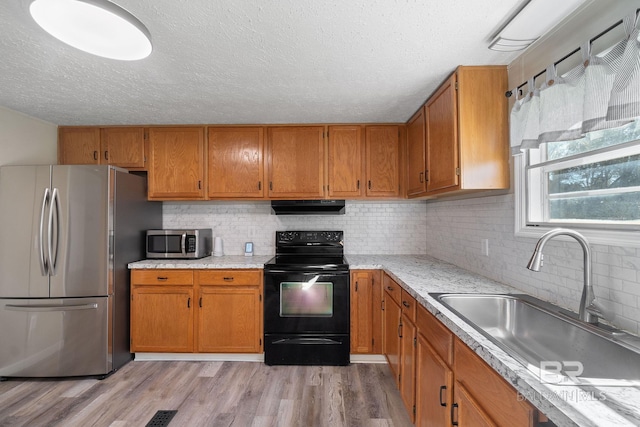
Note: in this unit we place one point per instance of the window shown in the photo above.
(592, 182)
(576, 138)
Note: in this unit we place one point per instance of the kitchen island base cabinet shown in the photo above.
(206, 311)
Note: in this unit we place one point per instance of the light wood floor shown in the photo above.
(211, 394)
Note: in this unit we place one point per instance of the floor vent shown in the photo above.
(161, 419)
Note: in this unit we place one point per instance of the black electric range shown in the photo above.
(306, 304)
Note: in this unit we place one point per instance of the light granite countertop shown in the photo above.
(421, 275)
(223, 262)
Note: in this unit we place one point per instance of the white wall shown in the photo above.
(370, 227)
(455, 230)
(26, 140)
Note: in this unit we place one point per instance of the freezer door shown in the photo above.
(54, 338)
(78, 242)
(24, 202)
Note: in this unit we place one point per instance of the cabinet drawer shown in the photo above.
(230, 277)
(161, 277)
(440, 338)
(497, 398)
(408, 304)
(392, 288)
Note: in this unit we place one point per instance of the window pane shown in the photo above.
(616, 173)
(593, 141)
(617, 207)
(599, 191)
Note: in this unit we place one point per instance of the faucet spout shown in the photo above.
(589, 310)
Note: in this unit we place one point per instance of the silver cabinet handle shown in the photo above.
(55, 206)
(50, 307)
(44, 265)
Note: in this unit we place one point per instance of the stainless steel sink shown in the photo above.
(558, 348)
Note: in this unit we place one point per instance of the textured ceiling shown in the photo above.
(260, 61)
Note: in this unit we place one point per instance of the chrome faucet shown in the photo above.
(590, 310)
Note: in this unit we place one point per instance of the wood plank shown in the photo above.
(211, 393)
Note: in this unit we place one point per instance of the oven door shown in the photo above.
(306, 302)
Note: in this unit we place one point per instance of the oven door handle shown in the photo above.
(306, 340)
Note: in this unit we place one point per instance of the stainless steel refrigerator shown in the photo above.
(67, 234)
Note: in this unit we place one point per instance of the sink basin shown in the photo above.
(557, 348)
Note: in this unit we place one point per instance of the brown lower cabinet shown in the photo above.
(366, 313)
(441, 380)
(391, 325)
(185, 311)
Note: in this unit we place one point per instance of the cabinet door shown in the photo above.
(296, 162)
(416, 155)
(467, 412)
(391, 327)
(382, 147)
(434, 387)
(345, 162)
(366, 313)
(235, 162)
(229, 319)
(123, 147)
(79, 146)
(176, 163)
(162, 318)
(441, 114)
(408, 365)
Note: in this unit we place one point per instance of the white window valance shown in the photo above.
(601, 93)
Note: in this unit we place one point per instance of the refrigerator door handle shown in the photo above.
(42, 257)
(55, 207)
(50, 307)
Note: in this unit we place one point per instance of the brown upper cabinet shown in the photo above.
(235, 162)
(249, 162)
(382, 153)
(176, 163)
(466, 135)
(295, 158)
(416, 154)
(345, 162)
(117, 146)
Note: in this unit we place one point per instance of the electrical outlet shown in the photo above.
(484, 247)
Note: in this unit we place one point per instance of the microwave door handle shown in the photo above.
(183, 244)
(42, 257)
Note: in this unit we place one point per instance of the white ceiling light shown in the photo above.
(532, 21)
(94, 26)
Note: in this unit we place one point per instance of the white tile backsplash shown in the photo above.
(455, 230)
(393, 228)
(449, 230)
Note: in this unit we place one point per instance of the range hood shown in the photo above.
(308, 207)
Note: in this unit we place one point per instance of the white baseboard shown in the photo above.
(201, 357)
(237, 357)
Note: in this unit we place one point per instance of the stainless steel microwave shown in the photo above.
(179, 244)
